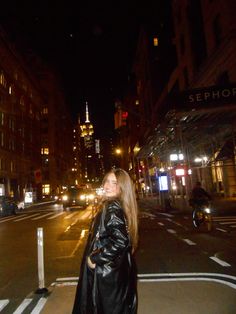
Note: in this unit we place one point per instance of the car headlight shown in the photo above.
(91, 197)
(65, 197)
(56, 197)
(82, 197)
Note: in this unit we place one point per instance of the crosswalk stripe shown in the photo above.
(27, 217)
(22, 306)
(39, 306)
(9, 218)
(56, 215)
(42, 216)
(3, 303)
(70, 215)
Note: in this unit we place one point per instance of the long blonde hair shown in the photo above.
(128, 199)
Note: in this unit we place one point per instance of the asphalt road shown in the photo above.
(170, 250)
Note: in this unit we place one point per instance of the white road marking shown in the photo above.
(223, 217)
(27, 217)
(219, 261)
(70, 216)
(223, 230)
(42, 216)
(160, 223)
(226, 223)
(85, 215)
(39, 306)
(165, 214)
(56, 215)
(171, 231)
(9, 218)
(22, 306)
(189, 277)
(3, 303)
(233, 226)
(67, 278)
(189, 242)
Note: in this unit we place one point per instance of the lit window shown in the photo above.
(155, 41)
(45, 110)
(44, 151)
(3, 81)
(46, 189)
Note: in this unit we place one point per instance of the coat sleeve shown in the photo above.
(115, 238)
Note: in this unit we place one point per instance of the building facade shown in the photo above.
(192, 133)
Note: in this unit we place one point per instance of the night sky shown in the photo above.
(90, 45)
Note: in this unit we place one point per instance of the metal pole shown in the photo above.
(41, 288)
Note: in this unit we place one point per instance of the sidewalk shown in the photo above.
(178, 297)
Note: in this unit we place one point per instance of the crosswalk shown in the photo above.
(33, 305)
(225, 223)
(51, 215)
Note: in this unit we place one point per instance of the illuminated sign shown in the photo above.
(163, 183)
(180, 172)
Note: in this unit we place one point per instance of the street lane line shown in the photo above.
(67, 278)
(27, 217)
(219, 261)
(85, 215)
(70, 215)
(233, 226)
(42, 216)
(39, 306)
(223, 230)
(231, 285)
(165, 214)
(171, 231)
(56, 215)
(189, 242)
(22, 306)
(3, 303)
(160, 223)
(224, 217)
(9, 218)
(226, 223)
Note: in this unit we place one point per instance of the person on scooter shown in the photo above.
(199, 198)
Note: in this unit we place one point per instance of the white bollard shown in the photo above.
(41, 288)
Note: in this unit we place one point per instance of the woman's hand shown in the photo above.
(90, 264)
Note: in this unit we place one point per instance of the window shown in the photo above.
(46, 189)
(3, 81)
(45, 110)
(44, 151)
(155, 41)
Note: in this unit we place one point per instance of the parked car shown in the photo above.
(79, 197)
(8, 206)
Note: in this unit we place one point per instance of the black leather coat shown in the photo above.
(111, 287)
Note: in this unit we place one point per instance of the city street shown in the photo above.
(170, 251)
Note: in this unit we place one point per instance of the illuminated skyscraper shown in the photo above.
(87, 131)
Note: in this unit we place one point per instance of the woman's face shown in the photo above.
(111, 188)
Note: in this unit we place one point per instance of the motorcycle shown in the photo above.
(202, 215)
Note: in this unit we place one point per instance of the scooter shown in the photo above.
(202, 215)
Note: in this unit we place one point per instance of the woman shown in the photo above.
(107, 282)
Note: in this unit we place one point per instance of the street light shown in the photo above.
(118, 151)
